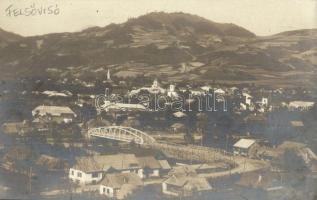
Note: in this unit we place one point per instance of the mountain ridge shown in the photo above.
(168, 43)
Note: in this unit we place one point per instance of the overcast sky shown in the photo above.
(263, 17)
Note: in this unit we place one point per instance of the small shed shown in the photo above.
(243, 146)
(178, 127)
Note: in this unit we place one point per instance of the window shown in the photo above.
(94, 175)
(79, 174)
(104, 190)
(108, 191)
(72, 171)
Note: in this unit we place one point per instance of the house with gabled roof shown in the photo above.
(150, 167)
(119, 186)
(184, 181)
(91, 170)
(59, 114)
(243, 146)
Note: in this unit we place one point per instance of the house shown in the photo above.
(198, 92)
(278, 152)
(16, 159)
(184, 89)
(123, 106)
(209, 168)
(301, 150)
(51, 163)
(171, 92)
(262, 102)
(206, 88)
(119, 186)
(243, 146)
(51, 93)
(59, 114)
(150, 167)
(265, 101)
(154, 89)
(247, 98)
(90, 170)
(233, 90)
(300, 105)
(220, 91)
(268, 181)
(273, 183)
(184, 181)
(179, 114)
(178, 127)
(165, 166)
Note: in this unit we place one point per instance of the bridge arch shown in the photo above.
(120, 133)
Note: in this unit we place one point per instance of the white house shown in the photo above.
(171, 91)
(85, 176)
(220, 91)
(91, 170)
(119, 186)
(248, 98)
(154, 89)
(265, 101)
(51, 93)
(206, 88)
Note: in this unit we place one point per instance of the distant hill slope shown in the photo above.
(174, 45)
(7, 37)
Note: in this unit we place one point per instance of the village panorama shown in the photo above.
(161, 102)
(162, 106)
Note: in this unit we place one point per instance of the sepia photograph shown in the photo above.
(158, 99)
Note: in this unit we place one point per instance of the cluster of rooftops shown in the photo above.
(120, 174)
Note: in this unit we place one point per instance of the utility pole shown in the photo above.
(30, 180)
(70, 191)
(227, 142)
(230, 164)
(245, 160)
(201, 139)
